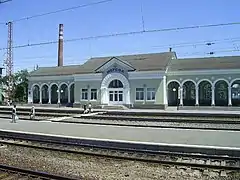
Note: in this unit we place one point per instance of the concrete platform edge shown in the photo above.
(180, 148)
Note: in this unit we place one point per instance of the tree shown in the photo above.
(20, 85)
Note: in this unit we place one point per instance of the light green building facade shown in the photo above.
(146, 80)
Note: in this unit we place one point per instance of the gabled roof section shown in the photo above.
(113, 60)
(208, 63)
(139, 62)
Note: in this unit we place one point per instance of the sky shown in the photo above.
(117, 16)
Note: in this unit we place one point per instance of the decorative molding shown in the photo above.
(88, 77)
(205, 72)
(146, 75)
(113, 61)
(50, 78)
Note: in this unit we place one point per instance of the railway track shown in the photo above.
(11, 172)
(224, 165)
(153, 124)
(168, 118)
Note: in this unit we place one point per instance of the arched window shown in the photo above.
(115, 84)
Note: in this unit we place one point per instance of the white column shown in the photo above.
(181, 95)
(49, 95)
(230, 96)
(104, 96)
(40, 92)
(165, 101)
(213, 95)
(68, 95)
(197, 96)
(145, 94)
(58, 95)
(30, 96)
(127, 94)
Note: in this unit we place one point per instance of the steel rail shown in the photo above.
(168, 158)
(39, 174)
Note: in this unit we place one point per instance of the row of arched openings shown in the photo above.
(63, 90)
(204, 93)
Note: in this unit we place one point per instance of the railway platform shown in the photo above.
(160, 136)
(221, 111)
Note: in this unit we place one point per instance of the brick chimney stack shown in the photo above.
(60, 45)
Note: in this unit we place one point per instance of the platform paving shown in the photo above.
(170, 110)
(132, 134)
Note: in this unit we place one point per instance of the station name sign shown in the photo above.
(115, 69)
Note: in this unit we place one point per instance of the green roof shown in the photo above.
(141, 62)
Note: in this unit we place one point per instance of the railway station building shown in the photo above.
(140, 81)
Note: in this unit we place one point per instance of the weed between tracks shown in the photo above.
(90, 167)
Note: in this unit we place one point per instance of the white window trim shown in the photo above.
(139, 100)
(87, 95)
(93, 100)
(151, 100)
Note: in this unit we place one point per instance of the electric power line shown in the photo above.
(58, 11)
(126, 34)
(4, 1)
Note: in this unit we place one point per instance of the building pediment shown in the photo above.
(113, 62)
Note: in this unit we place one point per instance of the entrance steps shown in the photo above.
(172, 108)
(113, 107)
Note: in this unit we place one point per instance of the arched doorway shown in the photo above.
(173, 88)
(72, 93)
(115, 90)
(54, 94)
(221, 93)
(36, 94)
(110, 83)
(205, 93)
(235, 87)
(45, 94)
(63, 94)
(189, 93)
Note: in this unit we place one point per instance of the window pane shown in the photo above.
(141, 95)
(85, 94)
(150, 93)
(139, 89)
(137, 96)
(153, 95)
(120, 97)
(115, 96)
(148, 96)
(111, 97)
(93, 94)
(150, 89)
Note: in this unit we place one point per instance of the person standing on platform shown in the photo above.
(90, 107)
(14, 114)
(32, 113)
(85, 111)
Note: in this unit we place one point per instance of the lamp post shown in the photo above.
(59, 95)
(174, 93)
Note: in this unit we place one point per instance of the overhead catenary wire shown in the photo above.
(126, 34)
(59, 11)
(72, 59)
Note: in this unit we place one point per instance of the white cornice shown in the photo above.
(49, 78)
(88, 77)
(205, 72)
(146, 75)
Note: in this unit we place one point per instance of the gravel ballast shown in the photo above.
(90, 167)
(148, 123)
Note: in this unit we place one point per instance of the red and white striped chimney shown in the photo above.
(60, 45)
